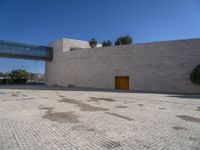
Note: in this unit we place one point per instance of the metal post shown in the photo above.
(35, 71)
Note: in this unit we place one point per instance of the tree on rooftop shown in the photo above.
(106, 43)
(123, 40)
(93, 43)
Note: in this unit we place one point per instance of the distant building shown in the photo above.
(37, 77)
(40, 77)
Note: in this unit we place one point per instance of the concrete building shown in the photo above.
(150, 67)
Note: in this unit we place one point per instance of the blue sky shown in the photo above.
(42, 21)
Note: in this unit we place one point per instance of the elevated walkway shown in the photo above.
(25, 51)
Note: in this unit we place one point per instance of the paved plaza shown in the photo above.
(42, 118)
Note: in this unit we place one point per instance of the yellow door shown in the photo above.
(122, 83)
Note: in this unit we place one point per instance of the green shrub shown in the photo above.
(195, 75)
(19, 76)
(4, 81)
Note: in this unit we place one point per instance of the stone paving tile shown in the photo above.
(88, 120)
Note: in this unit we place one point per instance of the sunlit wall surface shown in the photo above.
(25, 51)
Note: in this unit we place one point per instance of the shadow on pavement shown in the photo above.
(186, 96)
(58, 88)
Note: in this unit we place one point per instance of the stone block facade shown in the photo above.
(151, 67)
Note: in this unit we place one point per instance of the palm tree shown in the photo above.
(123, 40)
(93, 43)
(106, 43)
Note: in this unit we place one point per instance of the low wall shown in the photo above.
(151, 67)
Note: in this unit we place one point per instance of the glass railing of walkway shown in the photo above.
(25, 51)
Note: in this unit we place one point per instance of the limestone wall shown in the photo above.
(152, 67)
